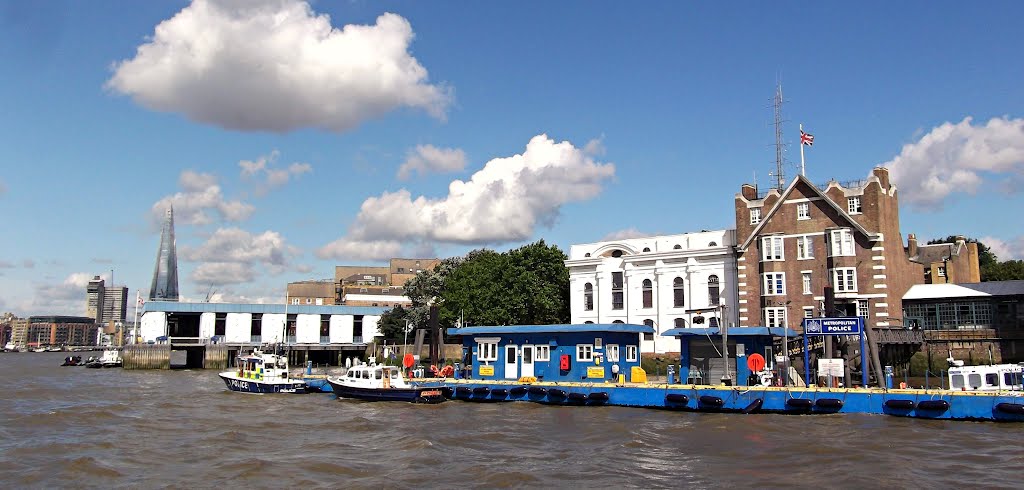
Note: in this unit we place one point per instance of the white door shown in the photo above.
(527, 366)
(511, 362)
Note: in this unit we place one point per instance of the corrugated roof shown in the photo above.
(998, 288)
(937, 291)
(565, 328)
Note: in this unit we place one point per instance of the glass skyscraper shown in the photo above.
(165, 274)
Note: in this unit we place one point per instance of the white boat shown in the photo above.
(993, 377)
(10, 347)
(381, 383)
(110, 358)
(260, 372)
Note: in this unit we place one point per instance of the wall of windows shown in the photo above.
(961, 315)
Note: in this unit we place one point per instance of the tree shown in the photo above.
(985, 255)
(991, 268)
(392, 323)
(425, 287)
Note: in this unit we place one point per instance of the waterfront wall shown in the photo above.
(147, 356)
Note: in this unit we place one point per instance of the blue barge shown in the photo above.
(597, 364)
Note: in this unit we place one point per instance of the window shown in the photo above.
(755, 216)
(805, 279)
(677, 292)
(616, 253)
(804, 248)
(775, 317)
(319, 301)
(647, 249)
(957, 381)
(649, 336)
(713, 322)
(844, 279)
(712, 244)
(974, 380)
(713, 290)
(941, 271)
(648, 293)
(488, 351)
(309, 301)
(613, 353)
(588, 297)
(808, 312)
(616, 290)
(543, 353)
(677, 247)
(584, 352)
(774, 283)
(841, 242)
(862, 308)
(679, 323)
(771, 248)
(853, 205)
(803, 210)
(992, 379)
(295, 301)
(630, 353)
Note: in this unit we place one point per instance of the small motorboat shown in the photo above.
(260, 372)
(72, 361)
(110, 358)
(382, 383)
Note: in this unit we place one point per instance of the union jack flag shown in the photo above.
(806, 138)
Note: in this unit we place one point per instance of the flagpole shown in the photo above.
(803, 171)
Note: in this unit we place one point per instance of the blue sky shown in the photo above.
(431, 128)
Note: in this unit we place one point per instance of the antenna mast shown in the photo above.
(779, 156)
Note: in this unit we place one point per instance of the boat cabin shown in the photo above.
(374, 377)
(261, 366)
(998, 377)
(701, 360)
(587, 352)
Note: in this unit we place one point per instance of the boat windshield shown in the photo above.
(377, 374)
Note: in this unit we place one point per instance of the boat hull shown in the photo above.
(234, 383)
(414, 395)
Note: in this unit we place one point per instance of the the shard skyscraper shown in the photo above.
(165, 275)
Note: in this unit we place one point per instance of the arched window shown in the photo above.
(679, 323)
(648, 291)
(588, 297)
(616, 253)
(647, 249)
(712, 244)
(713, 290)
(649, 336)
(677, 292)
(588, 322)
(618, 321)
(586, 254)
(677, 247)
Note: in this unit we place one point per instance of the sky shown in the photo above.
(293, 136)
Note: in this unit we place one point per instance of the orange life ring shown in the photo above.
(447, 371)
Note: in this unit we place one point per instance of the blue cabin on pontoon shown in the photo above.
(700, 353)
(588, 352)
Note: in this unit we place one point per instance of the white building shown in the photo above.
(667, 282)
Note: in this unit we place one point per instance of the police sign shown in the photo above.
(832, 326)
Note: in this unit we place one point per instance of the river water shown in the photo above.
(78, 427)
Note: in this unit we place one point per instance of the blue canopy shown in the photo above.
(734, 331)
(586, 327)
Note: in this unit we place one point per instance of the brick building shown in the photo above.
(943, 263)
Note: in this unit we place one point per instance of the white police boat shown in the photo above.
(261, 372)
(381, 383)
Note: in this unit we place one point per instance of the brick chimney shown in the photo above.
(883, 176)
(912, 245)
(749, 192)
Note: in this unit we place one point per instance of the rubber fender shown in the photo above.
(1011, 408)
(899, 404)
(518, 391)
(481, 390)
(677, 398)
(556, 393)
(499, 393)
(598, 396)
(933, 405)
(711, 401)
(799, 403)
(537, 390)
(577, 397)
(462, 391)
(829, 403)
(754, 406)
(447, 392)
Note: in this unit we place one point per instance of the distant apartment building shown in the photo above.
(58, 330)
(360, 285)
(95, 294)
(318, 292)
(105, 304)
(672, 281)
(385, 296)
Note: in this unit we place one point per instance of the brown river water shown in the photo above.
(88, 428)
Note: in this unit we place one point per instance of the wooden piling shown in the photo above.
(146, 356)
(216, 357)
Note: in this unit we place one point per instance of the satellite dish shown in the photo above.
(408, 361)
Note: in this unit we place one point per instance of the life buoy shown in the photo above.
(447, 371)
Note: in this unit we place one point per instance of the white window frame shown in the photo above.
(775, 316)
(804, 247)
(841, 243)
(631, 351)
(862, 308)
(940, 271)
(319, 301)
(808, 312)
(295, 301)
(612, 352)
(487, 351)
(772, 249)
(755, 216)
(768, 282)
(853, 205)
(803, 210)
(844, 279)
(543, 353)
(805, 280)
(585, 352)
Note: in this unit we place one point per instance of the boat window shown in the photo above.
(957, 381)
(394, 374)
(377, 374)
(1011, 379)
(366, 375)
(992, 379)
(974, 380)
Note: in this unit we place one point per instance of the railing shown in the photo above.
(325, 339)
(188, 340)
(256, 339)
(358, 339)
(289, 339)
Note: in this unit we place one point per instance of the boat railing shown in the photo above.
(188, 340)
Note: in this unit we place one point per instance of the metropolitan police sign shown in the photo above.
(833, 326)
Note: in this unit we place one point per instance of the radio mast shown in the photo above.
(780, 158)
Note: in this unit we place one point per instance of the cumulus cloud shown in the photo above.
(276, 65)
(271, 177)
(503, 202)
(199, 202)
(958, 158)
(425, 159)
(1012, 249)
(624, 234)
(230, 255)
(304, 268)
(64, 298)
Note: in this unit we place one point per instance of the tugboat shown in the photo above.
(381, 383)
(260, 372)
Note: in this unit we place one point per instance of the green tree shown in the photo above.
(426, 287)
(991, 268)
(392, 323)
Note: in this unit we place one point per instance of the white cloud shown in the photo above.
(274, 177)
(425, 159)
(221, 273)
(1012, 249)
(201, 196)
(503, 202)
(624, 234)
(230, 255)
(304, 268)
(276, 65)
(356, 250)
(64, 298)
(959, 157)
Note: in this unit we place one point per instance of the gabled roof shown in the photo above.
(782, 199)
